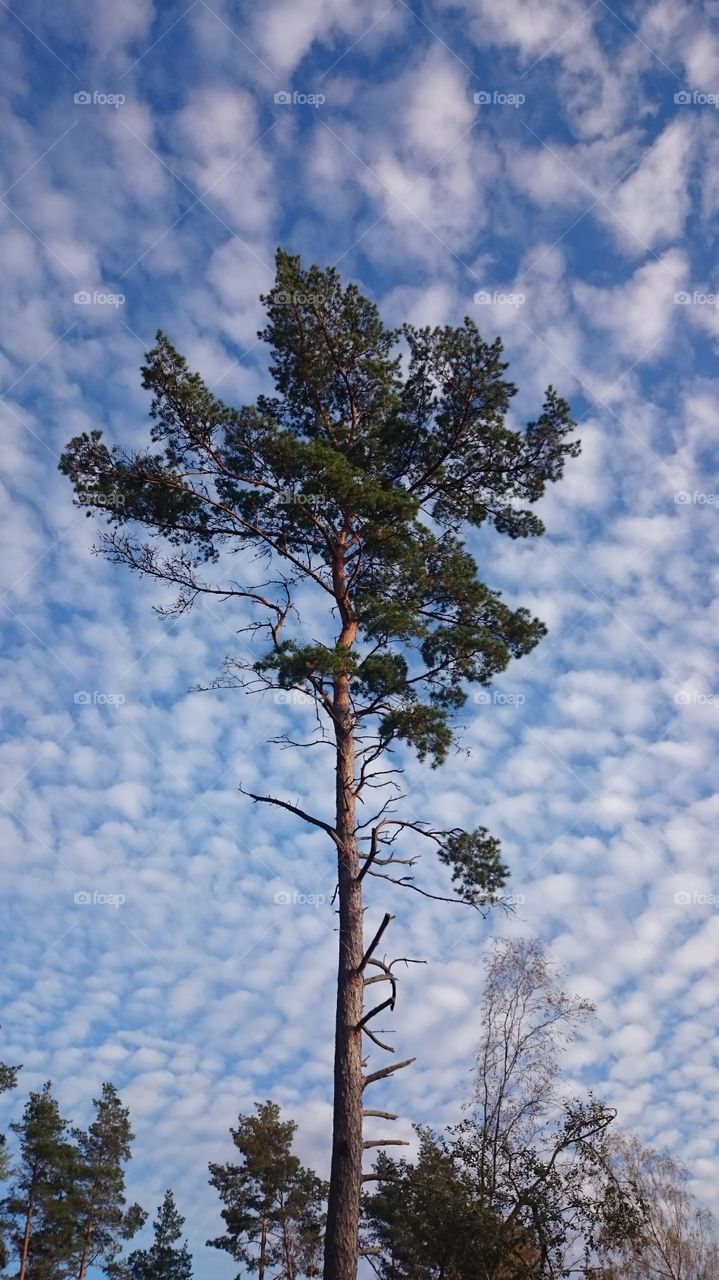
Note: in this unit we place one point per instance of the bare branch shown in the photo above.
(375, 941)
(373, 851)
(405, 882)
(376, 1040)
(379, 1008)
(284, 742)
(292, 808)
(380, 1177)
(395, 862)
(384, 808)
(387, 975)
(385, 1142)
(386, 1071)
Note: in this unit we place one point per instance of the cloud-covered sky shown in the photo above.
(557, 159)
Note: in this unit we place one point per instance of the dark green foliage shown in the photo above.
(474, 859)
(274, 1207)
(8, 1077)
(165, 1259)
(104, 1220)
(428, 1221)
(8, 1080)
(42, 1204)
(447, 1218)
(356, 478)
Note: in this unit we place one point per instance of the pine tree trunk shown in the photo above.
(83, 1261)
(85, 1249)
(25, 1243)
(290, 1269)
(263, 1250)
(346, 1169)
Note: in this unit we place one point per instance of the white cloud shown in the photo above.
(285, 32)
(216, 137)
(641, 314)
(438, 109)
(650, 207)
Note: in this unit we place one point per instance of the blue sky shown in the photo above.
(580, 196)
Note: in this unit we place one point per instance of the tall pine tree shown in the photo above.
(353, 488)
(104, 1221)
(165, 1259)
(274, 1207)
(43, 1203)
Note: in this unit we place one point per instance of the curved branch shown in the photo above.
(376, 1040)
(293, 808)
(379, 1008)
(386, 920)
(406, 883)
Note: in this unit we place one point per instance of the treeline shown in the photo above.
(64, 1212)
(533, 1183)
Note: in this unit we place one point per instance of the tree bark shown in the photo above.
(87, 1234)
(263, 1249)
(25, 1243)
(290, 1269)
(343, 1204)
(85, 1252)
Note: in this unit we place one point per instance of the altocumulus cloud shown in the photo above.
(593, 765)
